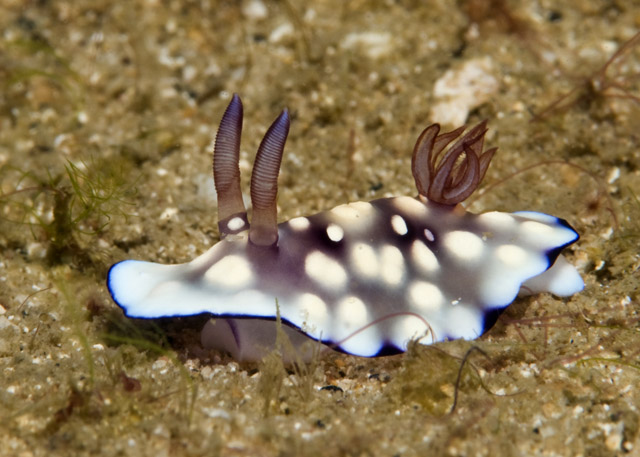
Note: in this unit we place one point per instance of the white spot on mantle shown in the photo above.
(352, 211)
(364, 260)
(399, 225)
(352, 313)
(413, 207)
(392, 265)
(423, 257)
(497, 220)
(325, 270)
(299, 223)
(425, 297)
(465, 245)
(232, 271)
(335, 232)
(235, 223)
(512, 255)
(313, 311)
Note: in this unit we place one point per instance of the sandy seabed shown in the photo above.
(107, 115)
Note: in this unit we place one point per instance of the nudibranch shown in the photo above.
(362, 278)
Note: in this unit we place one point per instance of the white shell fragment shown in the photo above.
(462, 89)
(364, 278)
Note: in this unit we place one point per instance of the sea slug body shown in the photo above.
(362, 278)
